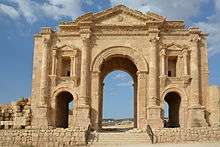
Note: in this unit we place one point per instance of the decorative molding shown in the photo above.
(174, 47)
(128, 52)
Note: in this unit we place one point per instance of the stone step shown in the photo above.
(121, 138)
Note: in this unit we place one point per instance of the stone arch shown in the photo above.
(173, 89)
(63, 88)
(100, 66)
(127, 52)
(61, 95)
(177, 106)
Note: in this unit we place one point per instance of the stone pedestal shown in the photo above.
(196, 117)
(40, 118)
(82, 117)
(154, 117)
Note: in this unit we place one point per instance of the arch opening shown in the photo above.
(64, 109)
(171, 110)
(123, 98)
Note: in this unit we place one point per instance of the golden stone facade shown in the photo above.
(167, 61)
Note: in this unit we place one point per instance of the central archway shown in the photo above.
(125, 59)
(123, 64)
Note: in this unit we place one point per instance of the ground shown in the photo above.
(169, 145)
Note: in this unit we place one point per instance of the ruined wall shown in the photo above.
(192, 135)
(16, 115)
(40, 138)
(214, 104)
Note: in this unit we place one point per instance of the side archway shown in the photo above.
(175, 99)
(64, 104)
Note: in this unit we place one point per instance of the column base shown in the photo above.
(196, 117)
(154, 118)
(40, 118)
(216, 124)
(82, 117)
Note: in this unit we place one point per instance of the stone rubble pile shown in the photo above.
(16, 115)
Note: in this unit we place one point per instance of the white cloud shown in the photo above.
(27, 9)
(60, 8)
(89, 2)
(217, 4)
(55, 9)
(212, 27)
(173, 9)
(121, 76)
(123, 79)
(125, 83)
(10, 11)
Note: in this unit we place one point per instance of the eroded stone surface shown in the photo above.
(168, 62)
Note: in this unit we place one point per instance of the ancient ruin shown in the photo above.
(167, 61)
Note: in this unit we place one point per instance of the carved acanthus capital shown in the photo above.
(195, 38)
(46, 41)
(163, 52)
(95, 74)
(141, 74)
(185, 52)
(154, 40)
(54, 52)
(46, 30)
(86, 38)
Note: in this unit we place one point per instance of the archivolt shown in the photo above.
(126, 52)
(179, 91)
(60, 89)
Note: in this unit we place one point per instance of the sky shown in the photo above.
(21, 19)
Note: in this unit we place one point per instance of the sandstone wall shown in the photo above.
(178, 135)
(214, 106)
(41, 138)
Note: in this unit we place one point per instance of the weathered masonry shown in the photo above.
(167, 61)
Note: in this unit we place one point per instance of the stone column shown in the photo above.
(185, 60)
(40, 113)
(83, 108)
(53, 75)
(95, 101)
(141, 99)
(54, 62)
(153, 110)
(195, 110)
(73, 66)
(84, 77)
(44, 73)
(163, 62)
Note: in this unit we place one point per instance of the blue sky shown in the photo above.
(21, 19)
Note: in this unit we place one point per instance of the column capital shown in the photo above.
(163, 52)
(185, 52)
(46, 41)
(95, 74)
(180, 56)
(154, 39)
(86, 38)
(54, 52)
(141, 74)
(195, 38)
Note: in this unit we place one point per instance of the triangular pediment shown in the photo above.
(65, 48)
(175, 47)
(121, 15)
